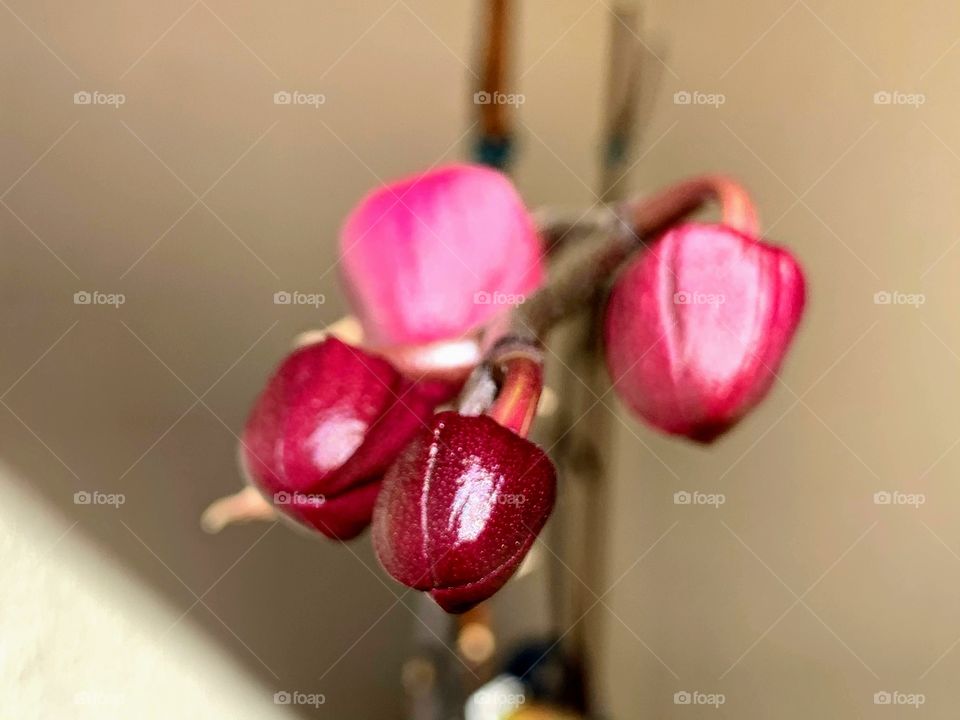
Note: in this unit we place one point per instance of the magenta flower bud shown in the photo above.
(460, 509)
(697, 325)
(328, 424)
(436, 255)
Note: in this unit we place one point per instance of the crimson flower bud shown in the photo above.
(328, 424)
(437, 255)
(460, 509)
(697, 325)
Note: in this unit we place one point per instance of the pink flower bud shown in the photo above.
(329, 423)
(436, 255)
(460, 509)
(697, 325)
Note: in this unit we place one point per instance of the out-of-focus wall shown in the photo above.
(198, 198)
(800, 596)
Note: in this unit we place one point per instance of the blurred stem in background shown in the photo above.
(582, 430)
(494, 145)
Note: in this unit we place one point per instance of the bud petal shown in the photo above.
(326, 427)
(461, 507)
(697, 325)
(427, 258)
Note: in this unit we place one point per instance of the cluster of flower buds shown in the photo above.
(344, 435)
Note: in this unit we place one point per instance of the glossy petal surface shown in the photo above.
(697, 326)
(326, 427)
(460, 509)
(436, 255)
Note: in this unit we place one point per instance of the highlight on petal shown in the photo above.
(461, 507)
(329, 423)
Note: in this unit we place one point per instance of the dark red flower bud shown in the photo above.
(697, 325)
(461, 507)
(329, 423)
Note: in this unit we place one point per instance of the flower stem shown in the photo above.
(516, 404)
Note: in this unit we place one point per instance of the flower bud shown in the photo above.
(436, 255)
(697, 325)
(328, 424)
(461, 507)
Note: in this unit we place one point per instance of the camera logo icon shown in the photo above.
(482, 97)
(682, 497)
(282, 298)
(882, 97)
(882, 698)
(882, 497)
(82, 297)
(282, 498)
(481, 298)
(882, 298)
(282, 697)
(682, 697)
(82, 98)
(682, 97)
(82, 497)
(282, 97)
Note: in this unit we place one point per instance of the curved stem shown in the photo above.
(516, 404)
(656, 213)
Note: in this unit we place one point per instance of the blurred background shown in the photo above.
(184, 187)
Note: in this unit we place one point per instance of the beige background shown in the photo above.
(199, 198)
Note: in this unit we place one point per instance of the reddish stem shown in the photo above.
(655, 214)
(516, 403)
